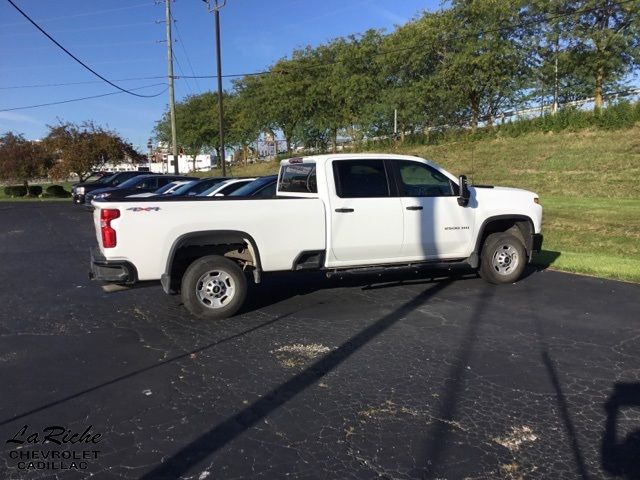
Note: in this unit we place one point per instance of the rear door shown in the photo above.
(366, 215)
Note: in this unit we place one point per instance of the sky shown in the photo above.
(121, 39)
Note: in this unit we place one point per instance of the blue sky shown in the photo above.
(118, 38)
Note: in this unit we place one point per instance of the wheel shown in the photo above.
(503, 258)
(213, 287)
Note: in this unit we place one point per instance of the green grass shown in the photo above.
(593, 235)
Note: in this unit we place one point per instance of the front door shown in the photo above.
(366, 220)
(435, 226)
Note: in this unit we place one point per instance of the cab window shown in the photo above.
(420, 180)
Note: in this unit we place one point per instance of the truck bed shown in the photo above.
(147, 228)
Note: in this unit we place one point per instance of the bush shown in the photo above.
(620, 115)
(56, 191)
(35, 190)
(15, 191)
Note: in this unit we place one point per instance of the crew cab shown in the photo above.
(342, 213)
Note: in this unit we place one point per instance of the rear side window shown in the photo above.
(298, 178)
(360, 178)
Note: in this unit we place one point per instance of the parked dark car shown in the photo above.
(139, 184)
(198, 186)
(79, 190)
(263, 187)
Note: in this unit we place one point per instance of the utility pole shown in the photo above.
(215, 8)
(172, 98)
(555, 83)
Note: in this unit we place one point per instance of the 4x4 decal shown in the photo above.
(144, 209)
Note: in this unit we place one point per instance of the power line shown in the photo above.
(85, 14)
(86, 98)
(124, 90)
(156, 77)
(175, 57)
(184, 49)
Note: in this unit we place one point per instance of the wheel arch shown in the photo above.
(521, 225)
(203, 240)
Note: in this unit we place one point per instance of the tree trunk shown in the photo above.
(288, 142)
(475, 112)
(598, 93)
(26, 185)
(218, 162)
(334, 140)
(402, 129)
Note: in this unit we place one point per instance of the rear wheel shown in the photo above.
(503, 258)
(213, 287)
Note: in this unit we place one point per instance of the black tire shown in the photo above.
(205, 284)
(503, 258)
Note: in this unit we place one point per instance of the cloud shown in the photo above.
(389, 15)
(19, 118)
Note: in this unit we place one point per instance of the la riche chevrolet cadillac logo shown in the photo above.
(144, 209)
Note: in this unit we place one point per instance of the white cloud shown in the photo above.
(12, 117)
(389, 15)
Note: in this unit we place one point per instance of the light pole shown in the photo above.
(150, 147)
(215, 8)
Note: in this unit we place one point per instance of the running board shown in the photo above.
(412, 267)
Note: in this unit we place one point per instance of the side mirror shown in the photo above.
(463, 199)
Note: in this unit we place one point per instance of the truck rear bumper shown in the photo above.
(114, 271)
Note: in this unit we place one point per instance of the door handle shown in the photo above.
(416, 207)
(344, 210)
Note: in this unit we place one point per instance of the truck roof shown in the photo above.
(351, 156)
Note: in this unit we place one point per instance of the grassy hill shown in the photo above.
(588, 183)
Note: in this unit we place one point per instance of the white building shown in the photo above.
(164, 163)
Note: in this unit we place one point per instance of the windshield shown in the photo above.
(184, 188)
(168, 186)
(97, 178)
(109, 179)
(252, 187)
(132, 182)
(197, 186)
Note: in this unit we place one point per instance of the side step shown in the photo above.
(412, 267)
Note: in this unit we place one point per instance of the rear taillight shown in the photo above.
(109, 239)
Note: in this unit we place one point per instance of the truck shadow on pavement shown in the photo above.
(232, 427)
(621, 457)
(279, 287)
(273, 293)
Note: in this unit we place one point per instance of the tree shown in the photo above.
(83, 148)
(197, 125)
(607, 40)
(242, 120)
(22, 159)
(483, 56)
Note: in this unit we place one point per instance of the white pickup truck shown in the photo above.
(342, 213)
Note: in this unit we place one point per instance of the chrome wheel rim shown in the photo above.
(215, 289)
(505, 259)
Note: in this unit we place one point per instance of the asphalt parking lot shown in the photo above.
(361, 378)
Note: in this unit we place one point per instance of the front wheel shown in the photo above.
(503, 258)
(213, 287)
